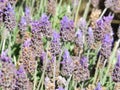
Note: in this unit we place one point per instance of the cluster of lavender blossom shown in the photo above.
(53, 58)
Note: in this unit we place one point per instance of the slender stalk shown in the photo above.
(42, 77)
(86, 10)
(76, 16)
(35, 79)
(54, 72)
(68, 81)
(103, 13)
(97, 70)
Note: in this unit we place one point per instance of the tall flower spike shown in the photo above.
(55, 46)
(22, 82)
(27, 57)
(90, 38)
(22, 25)
(82, 24)
(114, 5)
(98, 87)
(67, 30)
(43, 26)
(79, 39)
(106, 46)
(27, 15)
(8, 73)
(9, 19)
(3, 4)
(51, 7)
(116, 71)
(67, 64)
(81, 71)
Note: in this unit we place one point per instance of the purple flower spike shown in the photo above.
(27, 11)
(21, 70)
(79, 39)
(27, 43)
(84, 61)
(10, 8)
(4, 56)
(98, 87)
(106, 46)
(116, 71)
(56, 36)
(67, 64)
(67, 31)
(60, 88)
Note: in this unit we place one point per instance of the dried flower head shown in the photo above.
(51, 7)
(67, 30)
(49, 85)
(95, 3)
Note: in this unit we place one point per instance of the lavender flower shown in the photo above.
(8, 73)
(103, 26)
(67, 64)
(79, 39)
(23, 25)
(4, 57)
(67, 30)
(3, 4)
(98, 87)
(49, 85)
(22, 82)
(9, 19)
(27, 43)
(27, 57)
(90, 37)
(55, 46)
(82, 25)
(60, 88)
(27, 15)
(114, 5)
(81, 72)
(1, 16)
(115, 73)
(106, 46)
(43, 26)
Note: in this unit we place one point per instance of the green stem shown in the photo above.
(87, 10)
(76, 16)
(103, 13)
(42, 77)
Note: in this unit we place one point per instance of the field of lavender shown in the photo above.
(59, 44)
